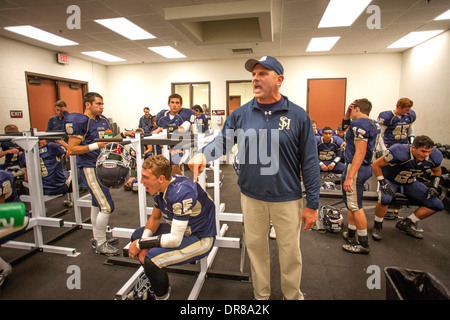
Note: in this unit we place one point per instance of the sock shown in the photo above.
(351, 231)
(364, 241)
(101, 225)
(379, 219)
(94, 214)
(413, 218)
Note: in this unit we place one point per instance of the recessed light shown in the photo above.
(414, 38)
(168, 52)
(103, 56)
(125, 28)
(444, 16)
(342, 13)
(322, 44)
(41, 35)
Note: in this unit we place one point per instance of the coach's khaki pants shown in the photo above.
(286, 219)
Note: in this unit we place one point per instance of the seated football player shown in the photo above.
(13, 218)
(55, 180)
(397, 172)
(329, 149)
(187, 232)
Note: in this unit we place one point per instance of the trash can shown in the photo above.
(406, 284)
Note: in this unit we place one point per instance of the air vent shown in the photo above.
(242, 51)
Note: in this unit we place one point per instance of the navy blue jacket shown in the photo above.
(273, 150)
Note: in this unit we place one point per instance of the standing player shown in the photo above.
(329, 149)
(397, 125)
(181, 119)
(201, 120)
(189, 230)
(82, 130)
(361, 139)
(397, 172)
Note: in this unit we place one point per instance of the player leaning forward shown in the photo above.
(396, 173)
(83, 130)
(189, 230)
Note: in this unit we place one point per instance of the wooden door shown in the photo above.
(234, 103)
(43, 91)
(326, 101)
(41, 102)
(72, 94)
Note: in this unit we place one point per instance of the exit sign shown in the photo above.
(15, 113)
(62, 58)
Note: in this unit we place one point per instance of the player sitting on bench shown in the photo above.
(188, 233)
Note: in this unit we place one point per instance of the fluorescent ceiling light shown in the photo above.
(444, 16)
(41, 35)
(168, 52)
(414, 38)
(342, 13)
(103, 56)
(322, 44)
(126, 28)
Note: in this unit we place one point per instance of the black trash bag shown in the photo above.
(406, 284)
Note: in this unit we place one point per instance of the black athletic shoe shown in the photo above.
(407, 226)
(350, 240)
(376, 232)
(356, 248)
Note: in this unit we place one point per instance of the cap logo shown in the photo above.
(263, 58)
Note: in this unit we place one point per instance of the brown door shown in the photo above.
(72, 94)
(44, 91)
(234, 103)
(326, 101)
(41, 101)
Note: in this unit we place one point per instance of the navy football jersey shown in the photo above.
(203, 123)
(83, 127)
(164, 118)
(186, 200)
(7, 187)
(329, 151)
(396, 126)
(403, 168)
(361, 129)
(11, 159)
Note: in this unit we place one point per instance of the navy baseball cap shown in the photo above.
(267, 62)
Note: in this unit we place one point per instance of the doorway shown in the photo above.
(326, 101)
(43, 91)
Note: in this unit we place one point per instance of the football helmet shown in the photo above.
(113, 165)
(332, 219)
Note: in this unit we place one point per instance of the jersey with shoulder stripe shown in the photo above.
(361, 129)
(186, 200)
(396, 126)
(403, 168)
(87, 129)
(164, 118)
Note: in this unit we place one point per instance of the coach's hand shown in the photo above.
(309, 217)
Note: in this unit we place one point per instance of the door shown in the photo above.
(43, 91)
(326, 101)
(234, 103)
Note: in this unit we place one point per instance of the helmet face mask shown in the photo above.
(332, 219)
(113, 165)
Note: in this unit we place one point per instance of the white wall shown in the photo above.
(16, 58)
(421, 73)
(425, 79)
(131, 87)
